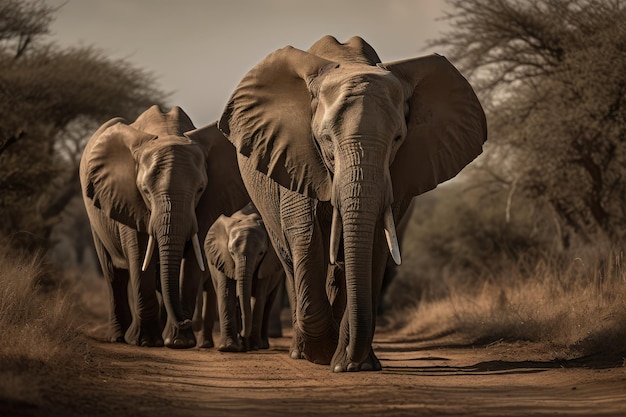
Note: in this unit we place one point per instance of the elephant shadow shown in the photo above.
(598, 361)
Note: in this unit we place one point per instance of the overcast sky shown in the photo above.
(200, 49)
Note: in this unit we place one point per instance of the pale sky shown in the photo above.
(200, 49)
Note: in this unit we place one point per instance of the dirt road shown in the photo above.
(433, 378)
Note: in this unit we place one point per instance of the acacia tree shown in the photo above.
(552, 77)
(50, 100)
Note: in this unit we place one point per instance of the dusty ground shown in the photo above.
(435, 377)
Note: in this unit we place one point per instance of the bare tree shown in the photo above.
(51, 99)
(552, 76)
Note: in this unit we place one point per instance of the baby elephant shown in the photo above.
(244, 268)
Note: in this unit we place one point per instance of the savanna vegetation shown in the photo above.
(51, 100)
(527, 244)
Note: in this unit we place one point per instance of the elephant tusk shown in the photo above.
(149, 251)
(335, 235)
(197, 251)
(392, 238)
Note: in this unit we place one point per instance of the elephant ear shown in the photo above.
(111, 173)
(356, 50)
(268, 119)
(225, 192)
(446, 125)
(216, 247)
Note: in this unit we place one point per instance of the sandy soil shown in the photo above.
(425, 378)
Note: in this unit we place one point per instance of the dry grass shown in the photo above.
(576, 309)
(40, 339)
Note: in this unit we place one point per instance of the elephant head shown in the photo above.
(235, 246)
(336, 124)
(151, 175)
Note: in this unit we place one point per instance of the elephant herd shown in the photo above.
(315, 158)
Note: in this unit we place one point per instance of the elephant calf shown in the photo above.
(244, 268)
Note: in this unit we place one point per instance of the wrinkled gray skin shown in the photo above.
(246, 272)
(332, 146)
(155, 177)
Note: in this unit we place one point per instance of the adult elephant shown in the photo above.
(244, 268)
(333, 125)
(160, 182)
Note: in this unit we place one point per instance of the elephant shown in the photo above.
(244, 268)
(156, 182)
(332, 145)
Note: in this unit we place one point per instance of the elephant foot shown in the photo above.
(204, 342)
(114, 335)
(145, 333)
(342, 363)
(317, 350)
(257, 343)
(230, 344)
(150, 342)
(180, 338)
(116, 339)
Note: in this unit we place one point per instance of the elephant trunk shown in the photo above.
(243, 276)
(358, 232)
(362, 196)
(172, 228)
(170, 255)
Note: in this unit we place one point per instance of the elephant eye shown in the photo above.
(326, 138)
(200, 190)
(397, 138)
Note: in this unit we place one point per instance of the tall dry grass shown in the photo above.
(575, 307)
(40, 339)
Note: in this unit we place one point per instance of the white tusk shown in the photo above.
(392, 238)
(149, 252)
(335, 235)
(197, 251)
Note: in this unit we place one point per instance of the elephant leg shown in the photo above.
(117, 279)
(275, 328)
(145, 329)
(294, 351)
(259, 301)
(190, 281)
(196, 322)
(272, 296)
(226, 294)
(315, 332)
(121, 317)
(336, 289)
(208, 303)
(335, 274)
